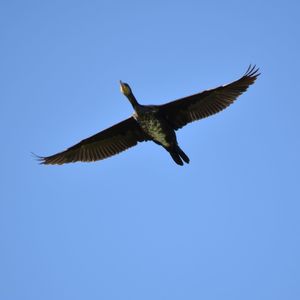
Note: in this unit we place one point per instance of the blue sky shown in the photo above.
(137, 226)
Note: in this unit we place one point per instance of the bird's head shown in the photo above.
(125, 88)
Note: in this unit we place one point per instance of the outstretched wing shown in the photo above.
(188, 109)
(104, 144)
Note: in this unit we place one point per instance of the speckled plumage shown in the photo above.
(156, 128)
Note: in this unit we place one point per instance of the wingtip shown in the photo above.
(38, 158)
(252, 71)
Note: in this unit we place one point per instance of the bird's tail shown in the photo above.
(178, 155)
(183, 155)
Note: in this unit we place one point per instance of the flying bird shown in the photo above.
(156, 123)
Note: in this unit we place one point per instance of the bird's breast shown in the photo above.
(155, 128)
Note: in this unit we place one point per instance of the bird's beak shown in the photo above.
(121, 87)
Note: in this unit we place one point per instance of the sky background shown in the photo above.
(137, 226)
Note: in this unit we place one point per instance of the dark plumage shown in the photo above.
(154, 122)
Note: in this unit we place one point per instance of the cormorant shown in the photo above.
(156, 123)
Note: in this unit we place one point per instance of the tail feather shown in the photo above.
(176, 158)
(178, 155)
(183, 155)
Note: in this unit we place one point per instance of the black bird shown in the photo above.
(156, 123)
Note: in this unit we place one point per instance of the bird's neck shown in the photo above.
(133, 101)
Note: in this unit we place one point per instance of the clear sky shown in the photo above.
(137, 226)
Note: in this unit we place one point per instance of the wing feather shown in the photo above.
(198, 106)
(104, 144)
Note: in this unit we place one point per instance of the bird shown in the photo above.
(157, 123)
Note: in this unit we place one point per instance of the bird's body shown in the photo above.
(154, 122)
(154, 126)
(158, 129)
